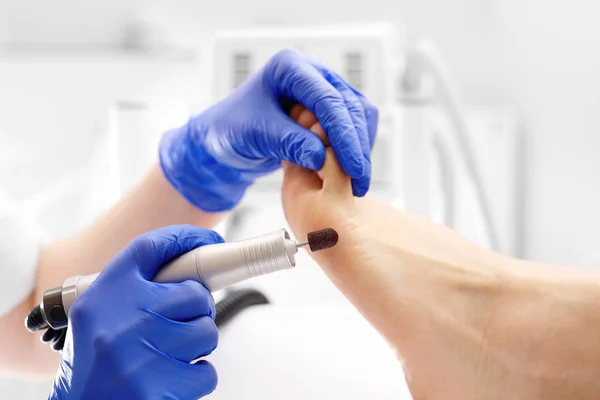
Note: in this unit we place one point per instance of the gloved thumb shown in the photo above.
(288, 141)
(150, 251)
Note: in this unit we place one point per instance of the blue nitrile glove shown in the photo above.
(131, 338)
(214, 157)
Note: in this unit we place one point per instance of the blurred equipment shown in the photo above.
(424, 61)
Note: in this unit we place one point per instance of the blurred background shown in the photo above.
(489, 124)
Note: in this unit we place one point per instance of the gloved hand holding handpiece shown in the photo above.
(131, 338)
(134, 315)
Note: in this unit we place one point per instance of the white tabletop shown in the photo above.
(313, 352)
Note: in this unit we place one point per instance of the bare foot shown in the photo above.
(467, 323)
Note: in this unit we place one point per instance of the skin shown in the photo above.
(465, 322)
(152, 204)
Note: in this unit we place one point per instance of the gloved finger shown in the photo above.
(293, 76)
(205, 377)
(184, 341)
(372, 115)
(334, 180)
(334, 166)
(181, 380)
(354, 105)
(182, 301)
(285, 140)
(150, 251)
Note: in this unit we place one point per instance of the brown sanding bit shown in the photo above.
(321, 240)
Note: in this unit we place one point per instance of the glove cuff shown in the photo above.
(60, 388)
(197, 175)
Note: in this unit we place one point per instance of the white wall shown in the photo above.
(53, 122)
(552, 52)
(539, 55)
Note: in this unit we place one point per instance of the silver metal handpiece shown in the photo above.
(220, 265)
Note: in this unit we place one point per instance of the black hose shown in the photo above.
(35, 320)
(55, 338)
(235, 301)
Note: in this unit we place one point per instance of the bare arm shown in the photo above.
(153, 203)
(467, 323)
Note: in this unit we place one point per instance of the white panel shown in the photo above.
(416, 159)
(54, 115)
(135, 130)
(496, 139)
(380, 44)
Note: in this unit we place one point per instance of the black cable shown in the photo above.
(235, 302)
(35, 320)
(55, 338)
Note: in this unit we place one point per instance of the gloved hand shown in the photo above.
(130, 338)
(219, 153)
